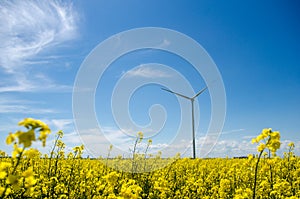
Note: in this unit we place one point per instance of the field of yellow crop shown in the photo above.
(30, 174)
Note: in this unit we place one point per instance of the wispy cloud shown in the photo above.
(62, 124)
(24, 109)
(226, 132)
(19, 82)
(29, 27)
(232, 131)
(164, 43)
(30, 30)
(10, 105)
(147, 72)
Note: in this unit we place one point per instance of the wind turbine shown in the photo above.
(193, 122)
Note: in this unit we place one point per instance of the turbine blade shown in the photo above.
(199, 92)
(167, 90)
(176, 93)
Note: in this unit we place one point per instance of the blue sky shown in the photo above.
(254, 44)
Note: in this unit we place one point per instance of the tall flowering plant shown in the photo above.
(268, 139)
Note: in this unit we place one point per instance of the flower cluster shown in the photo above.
(28, 136)
(271, 140)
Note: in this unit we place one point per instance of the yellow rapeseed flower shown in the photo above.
(3, 175)
(27, 138)
(32, 153)
(271, 140)
(275, 135)
(32, 125)
(266, 132)
(140, 135)
(274, 145)
(17, 150)
(43, 136)
(291, 144)
(261, 147)
(7, 192)
(30, 181)
(28, 172)
(12, 179)
(254, 140)
(112, 177)
(4, 165)
(10, 138)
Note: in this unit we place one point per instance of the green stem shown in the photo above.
(51, 155)
(14, 171)
(255, 175)
(133, 169)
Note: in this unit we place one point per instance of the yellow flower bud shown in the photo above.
(291, 144)
(12, 179)
(261, 147)
(10, 138)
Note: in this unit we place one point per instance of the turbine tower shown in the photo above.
(193, 122)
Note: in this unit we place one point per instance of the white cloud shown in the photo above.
(72, 139)
(232, 131)
(223, 147)
(20, 83)
(11, 105)
(62, 124)
(147, 72)
(96, 141)
(17, 83)
(24, 109)
(225, 132)
(236, 148)
(29, 27)
(30, 30)
(165, 43)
